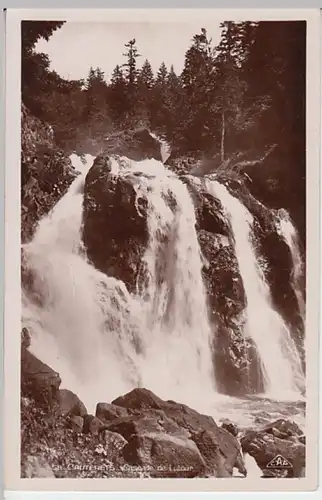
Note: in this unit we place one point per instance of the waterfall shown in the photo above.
(281, 366)
(102, 340)
(164, 146)
(291, 238)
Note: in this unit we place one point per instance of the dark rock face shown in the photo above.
(38, 380)
(277, 184)
(279, 276)
(279, 439)
(236, 362)
(115, 231)
(46, 173)
(209, 211)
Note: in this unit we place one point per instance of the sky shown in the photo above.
(77, 46)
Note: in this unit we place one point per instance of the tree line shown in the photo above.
(244, 94)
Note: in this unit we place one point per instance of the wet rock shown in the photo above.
(36, 467)
(276, 456)
(279, 271)
(107, 412)
(116, 248)
(234, 364)
(70, 404)
(283, 429)
(230, 427)
(38, 380)
(209, 211)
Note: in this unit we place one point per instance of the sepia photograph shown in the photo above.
(163, 272)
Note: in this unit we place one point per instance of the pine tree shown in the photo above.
(174, 104)
(162, 74)
(145, 82)
(238, 114)
(118, 101)
(198, 84)
(158, 100)
(131, 71)
(96, 113)
(145, 76)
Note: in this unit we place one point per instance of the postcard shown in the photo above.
(162, 250)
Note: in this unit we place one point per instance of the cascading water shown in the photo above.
(281, 366)
(88, 327)
(164, 146)
(291, 238)
(75, 313)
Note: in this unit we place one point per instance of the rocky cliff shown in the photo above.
(46, 172)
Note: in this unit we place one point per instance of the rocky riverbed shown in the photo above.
(140, 435)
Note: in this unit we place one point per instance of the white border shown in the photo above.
(12, 247)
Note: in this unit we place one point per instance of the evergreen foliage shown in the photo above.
(245, 94)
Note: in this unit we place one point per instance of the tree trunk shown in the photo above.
(222, 144)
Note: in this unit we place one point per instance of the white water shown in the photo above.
(281, 366)
(289, 233)
(85, 325)
(165, 147)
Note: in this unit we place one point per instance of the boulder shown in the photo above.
(150, 421)
(70, 404)
(38, 380)
(230, 427)
(164, 455)
(107, 412)
(283, 428)
(156, 417)
(276, 449)
(115, 230)
(113, 443)
(220, 460)
(139, 399)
